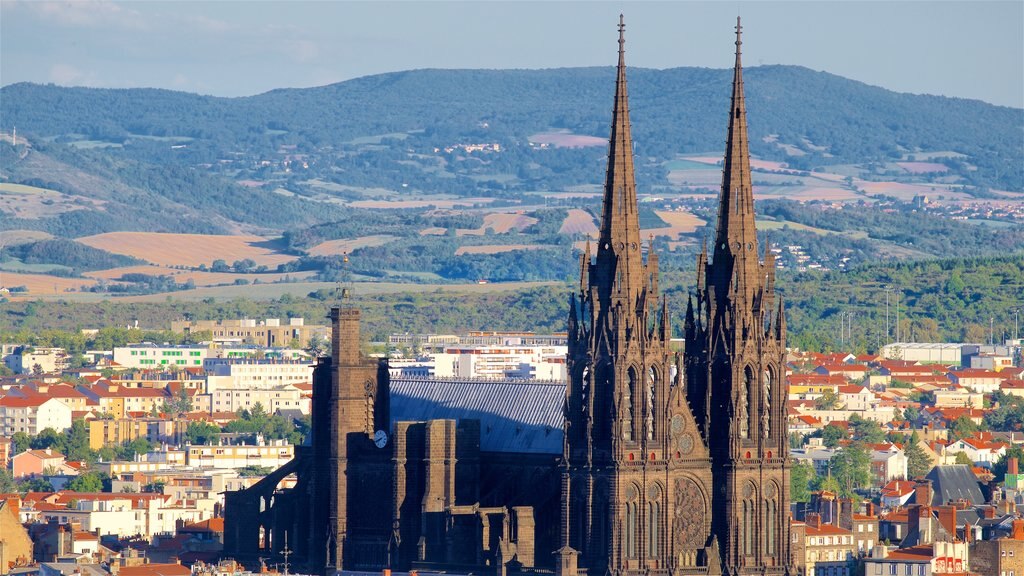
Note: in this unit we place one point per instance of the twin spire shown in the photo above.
(620, 227)
(620, 223)
(736, 234)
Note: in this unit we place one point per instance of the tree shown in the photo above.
(202, 433)
(6, 481)
(87, 482)
(318, 346)
(962, 427)
(918, 463)
(829, 400)
(48, 438)
(20, 442)
(911, 414)
(999, 468)
(866, 430)
(831, 435)
(963, 459)
(128, 450)
(851, 467)
(180, 403)
(800, 480)
(76, 443)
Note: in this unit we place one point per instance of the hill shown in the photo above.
(450, 175)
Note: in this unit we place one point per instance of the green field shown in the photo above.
(780, 224)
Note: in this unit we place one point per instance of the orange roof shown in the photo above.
(826, 530)
(156, 570)
(898, 488)
(923, 552)
(19, 402)
(211, 525)
(41, 454)
(852, 389)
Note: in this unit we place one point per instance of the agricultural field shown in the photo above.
(500, 223)
(31, 202)
(346, 246)
(188, 249)
(578, 222)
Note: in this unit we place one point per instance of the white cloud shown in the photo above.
(86, 13)
(68, 75)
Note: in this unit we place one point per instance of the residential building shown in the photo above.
(15, 544)
(32, 415)
(286, 397)
(252, 374)
(38, 462)
(977, 380)
(500, 362)
(922, 560)
(117, 431)
(119, 401)
(828, 549)
(274, 454)
(270, 333)
(888, 462)
(33, 360)
(148, 355)
(1000, 556)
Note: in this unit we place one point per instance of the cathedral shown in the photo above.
(650, 460)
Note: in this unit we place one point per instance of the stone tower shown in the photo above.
(352, 481)
(636, 475)
(735, 375)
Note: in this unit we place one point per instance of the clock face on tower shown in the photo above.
(380, 438)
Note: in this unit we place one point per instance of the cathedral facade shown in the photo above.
(651, 460)
(675, 464)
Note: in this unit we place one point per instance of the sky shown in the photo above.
(965, 49)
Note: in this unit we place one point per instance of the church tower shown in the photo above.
(636, 474)
(735, 357)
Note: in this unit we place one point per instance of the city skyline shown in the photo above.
(242, 48)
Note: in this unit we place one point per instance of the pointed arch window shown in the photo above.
(653, 521)
(652, 401)
(629, 393)
(632, 521)
(748, 527)
(769, 521)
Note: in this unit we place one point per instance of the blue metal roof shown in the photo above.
(515, 416)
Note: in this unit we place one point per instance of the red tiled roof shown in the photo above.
(211, 525)
(826, 530)
(923, 552)
(156, 570)
(41, 454)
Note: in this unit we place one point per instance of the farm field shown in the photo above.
(197, 277)
(500, 223)
(578, 222)
(30, 202)
(680, 222)
(15, 237)
(495, 249)
(187, 249)
(345, 246)
(42, 284)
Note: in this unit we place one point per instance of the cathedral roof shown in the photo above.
(515, 416)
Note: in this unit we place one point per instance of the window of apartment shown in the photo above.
(909, 570)
(892, 569)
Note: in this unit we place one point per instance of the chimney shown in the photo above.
(1011, 465)
(869, 509)
(1018, 529)
(947, 517)
(923, 492)
(813, 519)
(989, 511)
(48, 452)
(846, 514)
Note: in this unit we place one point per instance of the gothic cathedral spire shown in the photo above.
(735, 371)
(618, 251)
(636, 478)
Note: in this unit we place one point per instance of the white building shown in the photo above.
(29, 360)
(32, 415)
(250, 374)
(889, 464)
(152, 356)
(275, 454)
(121, 514)
(924, 352)
(514, 361)
(286, 397)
